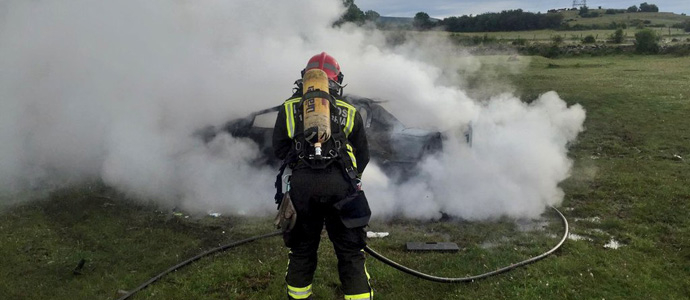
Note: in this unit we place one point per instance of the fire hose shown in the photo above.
(372, 253)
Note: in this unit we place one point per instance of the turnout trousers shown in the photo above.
(313, 193)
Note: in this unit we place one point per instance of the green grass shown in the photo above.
(664, 18)
(627, 184)
(574, 36)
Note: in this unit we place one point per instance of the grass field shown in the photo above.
(663, 18)
(575, 36)
(629, 184)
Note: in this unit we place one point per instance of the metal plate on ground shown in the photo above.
(432, 246)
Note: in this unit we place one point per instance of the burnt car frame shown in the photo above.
(392, 145)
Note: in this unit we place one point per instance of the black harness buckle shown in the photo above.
(350, 170)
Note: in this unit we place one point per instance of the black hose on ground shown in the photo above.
(195, 258)
(475, 277)
(372, 253)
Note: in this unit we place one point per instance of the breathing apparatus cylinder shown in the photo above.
(317, 123)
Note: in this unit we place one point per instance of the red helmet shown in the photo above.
(326, 63)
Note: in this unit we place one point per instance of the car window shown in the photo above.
(267, 120)
(383, 120)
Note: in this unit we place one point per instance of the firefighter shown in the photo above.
(325, 186)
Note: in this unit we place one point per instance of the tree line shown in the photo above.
(508, 20)
(644, 7)
(354, 14)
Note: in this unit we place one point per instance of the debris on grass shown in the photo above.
(576, 237)
(613, 244)
(177, 213)
(80, 266)
(371, 234)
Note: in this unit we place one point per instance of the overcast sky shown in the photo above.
(445, 8)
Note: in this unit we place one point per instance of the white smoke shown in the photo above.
(115, 89)
(517, 158)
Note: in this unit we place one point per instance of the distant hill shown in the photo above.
(395, 20)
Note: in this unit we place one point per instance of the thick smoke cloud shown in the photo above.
(517, 158)
(113, 90)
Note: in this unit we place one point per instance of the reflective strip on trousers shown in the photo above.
(302, 293)
(365, 296)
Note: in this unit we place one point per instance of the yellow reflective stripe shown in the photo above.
(299, 289)
(350, 122)
(343, 103)
(365, 296)
(290, 116)
(289, 120)
(352, 155)
(371, 291)
(288, 263)
(299, 293)
(367, 272)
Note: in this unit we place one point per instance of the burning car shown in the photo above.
(392, 145)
